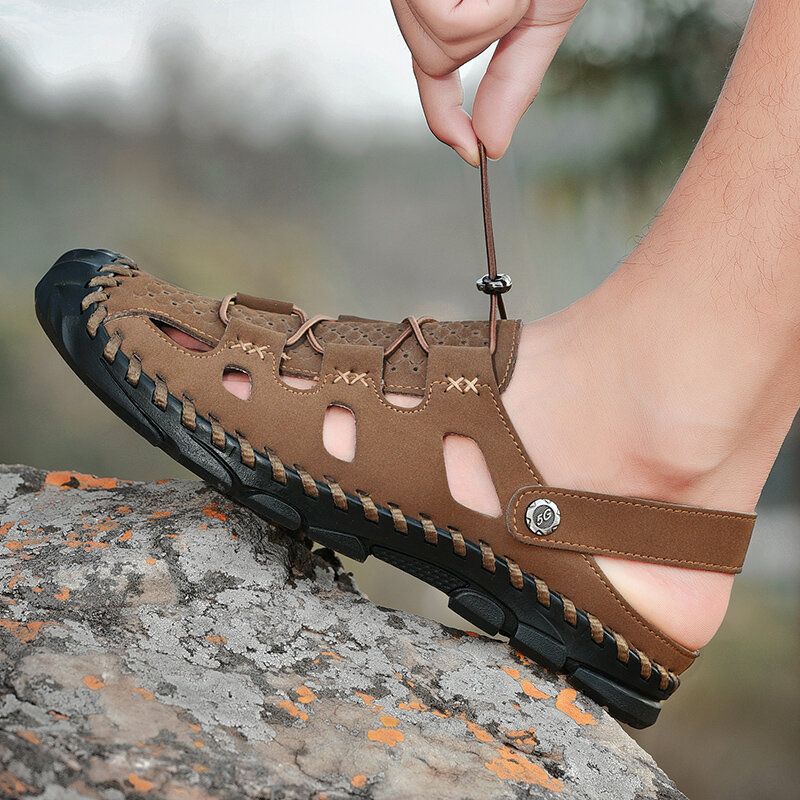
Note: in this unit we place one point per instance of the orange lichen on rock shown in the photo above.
(87, 546)
(12, 786)
(367, 699)
(214, 513)
(358, 781)
(532, 691)
(5, 528)
(215, 638)
(481, 734)
(140, 784)
(85, 541)
(293, 710)
(389, 733)
(388, 736)
(93, 682)
(523, 737)
(126, 536)
(64, 479)
(28, 541)
(23, 631)
(513, 766)
(331, 654)
(305, 695)
(150, 560)
(160, 514)
(62, 594)
(413, 705)
(525, 684)
(145, 694)
(29, 736)
(565, 702)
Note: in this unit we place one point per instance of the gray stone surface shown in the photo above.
(159, 641)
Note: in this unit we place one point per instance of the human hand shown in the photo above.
(443, 35)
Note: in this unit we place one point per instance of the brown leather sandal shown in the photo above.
(528, 573)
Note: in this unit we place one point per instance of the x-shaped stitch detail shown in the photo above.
(462, 384)
(250, 349)
(351, 378)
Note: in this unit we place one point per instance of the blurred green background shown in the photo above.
(280, 151)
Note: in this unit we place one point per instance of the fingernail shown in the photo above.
(470, 158)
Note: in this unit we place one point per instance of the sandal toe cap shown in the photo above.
(59, 293)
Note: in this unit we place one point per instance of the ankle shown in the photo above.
(615, 402)
(594, 415)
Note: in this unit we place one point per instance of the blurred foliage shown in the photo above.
(668, 56)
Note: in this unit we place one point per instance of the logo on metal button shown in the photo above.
(542, 517)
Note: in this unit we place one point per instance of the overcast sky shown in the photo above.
(349, 53)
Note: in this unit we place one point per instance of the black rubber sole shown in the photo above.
(487, 600)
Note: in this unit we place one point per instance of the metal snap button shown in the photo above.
(542, 517)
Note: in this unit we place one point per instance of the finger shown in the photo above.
(513, 79)
(442, 98)
(424, 49)
(443, 35)
(453, 22)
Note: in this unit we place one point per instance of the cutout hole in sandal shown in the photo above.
(181, 338)
(468, 476)
(298, 383)
(238, 382)
(339, 432)
(403, 400)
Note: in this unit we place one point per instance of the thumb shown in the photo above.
(513, 78)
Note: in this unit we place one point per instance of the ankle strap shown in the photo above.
(629, 528)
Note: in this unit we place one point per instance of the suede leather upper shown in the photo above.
(399, 451)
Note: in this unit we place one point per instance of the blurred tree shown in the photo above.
(668, 56)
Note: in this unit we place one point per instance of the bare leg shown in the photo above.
(679, 377)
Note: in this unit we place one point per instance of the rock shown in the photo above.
(160, 641)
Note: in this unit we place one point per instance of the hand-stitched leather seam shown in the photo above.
(351, 377)
(639, 620)
(462, 384)
(642, 504)
(331, 378)
(513, 437)
(107, 277)
(163, 339)
(550, 542)
(249, 348)
(584, 548)
(149, 314)
(368, 507)
(112, 346)
(511, 354)
(297, 372)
